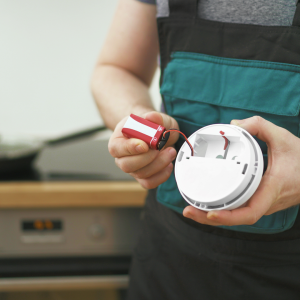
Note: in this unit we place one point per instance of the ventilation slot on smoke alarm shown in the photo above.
(242, 193)
(215, 206)
(245, 169)
(180, 156)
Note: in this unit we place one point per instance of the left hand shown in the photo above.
(280, 186)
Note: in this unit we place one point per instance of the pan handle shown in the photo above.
(75, 136)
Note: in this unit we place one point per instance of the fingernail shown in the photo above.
(237, 122)
(211, 215)
(139, 149)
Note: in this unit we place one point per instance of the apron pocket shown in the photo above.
(259, 86)
(191, 80)
(200, 90)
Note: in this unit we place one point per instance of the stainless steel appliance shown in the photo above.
(69, 242)
(71, 232)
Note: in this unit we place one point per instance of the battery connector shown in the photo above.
(156, 136)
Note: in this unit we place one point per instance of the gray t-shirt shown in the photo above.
(260, 12)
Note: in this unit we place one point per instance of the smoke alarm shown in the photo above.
(221, 170)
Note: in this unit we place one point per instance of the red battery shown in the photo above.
(149, 132)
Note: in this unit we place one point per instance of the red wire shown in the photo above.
(225, 138)
(192, 150)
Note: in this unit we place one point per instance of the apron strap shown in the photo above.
(184, 8)
(296, 20)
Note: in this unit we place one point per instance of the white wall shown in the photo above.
(47, 52)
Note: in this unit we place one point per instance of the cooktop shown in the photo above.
(87, 159)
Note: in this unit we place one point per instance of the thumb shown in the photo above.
(161, 119)
(166, 121)
(257, 206)
(262, 129)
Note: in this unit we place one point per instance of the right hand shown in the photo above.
(149, 167)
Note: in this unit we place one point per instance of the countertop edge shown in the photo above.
(14, 195)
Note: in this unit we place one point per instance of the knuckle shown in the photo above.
(148, 184)
(126, 168)
(284, 135)
(123, 165)
(258, 119)
(130, 148)
(143, 184)
(112, 150)
(163, 160)
(168, 172)
(133, 174)
(140, 174)
(137, 174)
(117, 162)
(252, 220)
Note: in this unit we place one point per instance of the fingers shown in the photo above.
(161, 119)
(132, 163)
(150, 167)
(247, 215)
(121, 146)
(154, 117)
(199, 216)
(166, 121)
(257, 206)
(147, 164)
(239, 216)
(263, 129)
(163, 159)
(157, 179)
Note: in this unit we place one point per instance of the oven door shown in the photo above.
(51, 248)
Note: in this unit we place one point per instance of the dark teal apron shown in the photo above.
(213, 72)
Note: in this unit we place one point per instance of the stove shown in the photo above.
(69, 241)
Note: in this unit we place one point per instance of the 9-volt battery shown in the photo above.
(149, 132)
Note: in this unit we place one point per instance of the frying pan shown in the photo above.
(18, 153)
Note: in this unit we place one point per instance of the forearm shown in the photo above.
(127, 63)
(118, 93)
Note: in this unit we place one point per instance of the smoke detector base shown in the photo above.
(225, 170)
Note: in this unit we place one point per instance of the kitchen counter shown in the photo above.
(24, 195)
(96, 208)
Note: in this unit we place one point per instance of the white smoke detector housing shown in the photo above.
(224, 171)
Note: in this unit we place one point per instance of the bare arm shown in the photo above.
(120, 86)
(127, 63)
